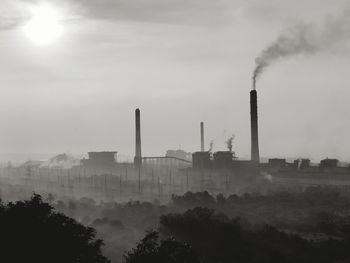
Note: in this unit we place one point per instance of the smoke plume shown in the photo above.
(211, 146)
(304, 39)
(229, 143)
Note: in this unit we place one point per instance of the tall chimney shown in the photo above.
(255, 157)
(202, 137)
(138, 156)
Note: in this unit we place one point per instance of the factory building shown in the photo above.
(100, 161)
(201, 160)
(223, 159)
(180, 154)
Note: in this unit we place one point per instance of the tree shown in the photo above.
(31, 231)
(150, 250)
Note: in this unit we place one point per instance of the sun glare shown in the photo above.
(44, 27)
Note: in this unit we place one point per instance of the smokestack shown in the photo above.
(202, 137)
(255, 157)
(138, 156)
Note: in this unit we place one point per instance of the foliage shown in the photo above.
(32, 232)
(150, 250)
(216, 238)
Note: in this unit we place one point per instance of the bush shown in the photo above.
(150, 250)
(216, 238)
(32, 232)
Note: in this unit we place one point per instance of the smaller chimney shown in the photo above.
(138, 156)
(202, 136)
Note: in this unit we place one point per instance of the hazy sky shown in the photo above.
(180, 62)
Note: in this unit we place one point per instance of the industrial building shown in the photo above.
(100, 162)
(180, 154)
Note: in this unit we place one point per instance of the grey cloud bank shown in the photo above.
(193, 12)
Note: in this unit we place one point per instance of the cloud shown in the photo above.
(10, 15)
(202, 12)
(6, 24)
(193, 12)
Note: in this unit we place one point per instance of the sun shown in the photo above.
(44, 27)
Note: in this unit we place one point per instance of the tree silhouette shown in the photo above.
(31, 231)
(150, 250)
(216, 238)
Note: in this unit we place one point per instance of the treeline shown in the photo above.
(217, 238)
(307, 226)
(31, 231)
(316, 215)
(313, 211)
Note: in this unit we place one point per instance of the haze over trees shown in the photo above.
(283, 227)
(150, 249)
(31, 231)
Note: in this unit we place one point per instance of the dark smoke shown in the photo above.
(304, 39)
(229, 143)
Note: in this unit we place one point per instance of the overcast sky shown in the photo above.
(180, 62)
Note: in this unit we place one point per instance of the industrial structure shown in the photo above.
(202, 136)
(100, 160)
(255, 156)
(138, 155)
(181, 154)
(178, 171)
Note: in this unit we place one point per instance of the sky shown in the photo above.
(181, 62)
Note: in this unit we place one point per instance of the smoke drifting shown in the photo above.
(229, 143)
(211, 146)
(304, 39)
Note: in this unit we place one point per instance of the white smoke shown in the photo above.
(304, 39)
(211, 146)
(267, 177)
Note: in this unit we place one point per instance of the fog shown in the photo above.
(121, 216)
